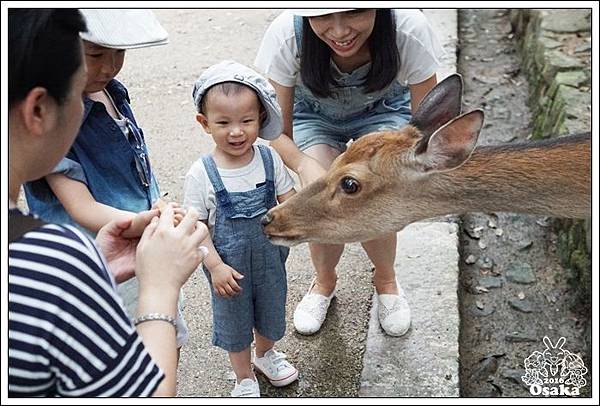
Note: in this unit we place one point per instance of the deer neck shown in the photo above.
(551, 179)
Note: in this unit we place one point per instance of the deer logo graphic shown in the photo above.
(554, 372)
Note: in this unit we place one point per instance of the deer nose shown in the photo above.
(266, 219)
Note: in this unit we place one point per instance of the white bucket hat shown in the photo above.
(230, 71)
(316, 12)
(123, 28)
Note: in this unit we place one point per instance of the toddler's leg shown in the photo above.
(246, 384)
(271, 363)
(262, 344)
(241, 363)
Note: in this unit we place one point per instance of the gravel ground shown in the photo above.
(160, 82)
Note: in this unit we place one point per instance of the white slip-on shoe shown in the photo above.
(394, 313)
(311, 311)
(276, 368)
(247, 388)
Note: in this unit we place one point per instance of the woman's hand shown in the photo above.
(309, 170)
(118, 250)
(168, 254)
(224, 280)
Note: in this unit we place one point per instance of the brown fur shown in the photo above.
(547, 178)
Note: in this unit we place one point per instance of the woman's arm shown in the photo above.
(307, 168)
(419, 90)
(166, 257)
(285, 97)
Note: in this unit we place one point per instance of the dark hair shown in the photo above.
(232, 88)
(315, 67)
(44, 50)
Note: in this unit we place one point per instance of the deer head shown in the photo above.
(377, 185)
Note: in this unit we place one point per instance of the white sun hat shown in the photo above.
(316, 12)
(123, 28)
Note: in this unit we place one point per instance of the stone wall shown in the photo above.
(556, 51)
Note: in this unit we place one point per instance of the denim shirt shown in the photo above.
(114, 167)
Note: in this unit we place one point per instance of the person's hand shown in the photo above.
(224, 280)
(309, 170)
(179, 211)
(139, 222)
(118, 251)
(168, 254)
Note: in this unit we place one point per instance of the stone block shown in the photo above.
(567, 20)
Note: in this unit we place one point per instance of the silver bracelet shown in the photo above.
(155, 316)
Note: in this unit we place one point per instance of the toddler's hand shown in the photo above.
(179, 212)
(224, 280)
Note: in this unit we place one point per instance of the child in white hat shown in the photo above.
(232, 188)
(106, 174)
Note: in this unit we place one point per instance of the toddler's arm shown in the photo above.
(224, 278)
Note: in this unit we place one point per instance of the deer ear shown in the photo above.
(440, 105)
(451, 145)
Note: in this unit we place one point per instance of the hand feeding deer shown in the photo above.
(387, 180)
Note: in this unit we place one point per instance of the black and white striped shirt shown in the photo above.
(68, 334)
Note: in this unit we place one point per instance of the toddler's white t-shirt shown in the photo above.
(200, 194)
(419, 49)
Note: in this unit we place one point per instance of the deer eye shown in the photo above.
(349, 185)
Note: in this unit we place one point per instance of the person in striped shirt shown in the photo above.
(68, 334)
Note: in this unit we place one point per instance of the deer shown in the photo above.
(432, 167)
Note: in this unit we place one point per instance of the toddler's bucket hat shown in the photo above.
(230, 71)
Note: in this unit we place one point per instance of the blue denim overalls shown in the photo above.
(239, 240)
(347, 113)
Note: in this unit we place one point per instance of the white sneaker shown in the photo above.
(311, 311)
(248, 388)
(274, 366)
(394, 313)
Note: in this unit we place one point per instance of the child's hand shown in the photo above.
(224, 280)
(139, 223)
(179, 212)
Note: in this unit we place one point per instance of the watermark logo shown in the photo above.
(555, 371)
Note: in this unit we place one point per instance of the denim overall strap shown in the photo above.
(267, 158)
(221, 194)
(298, 25)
